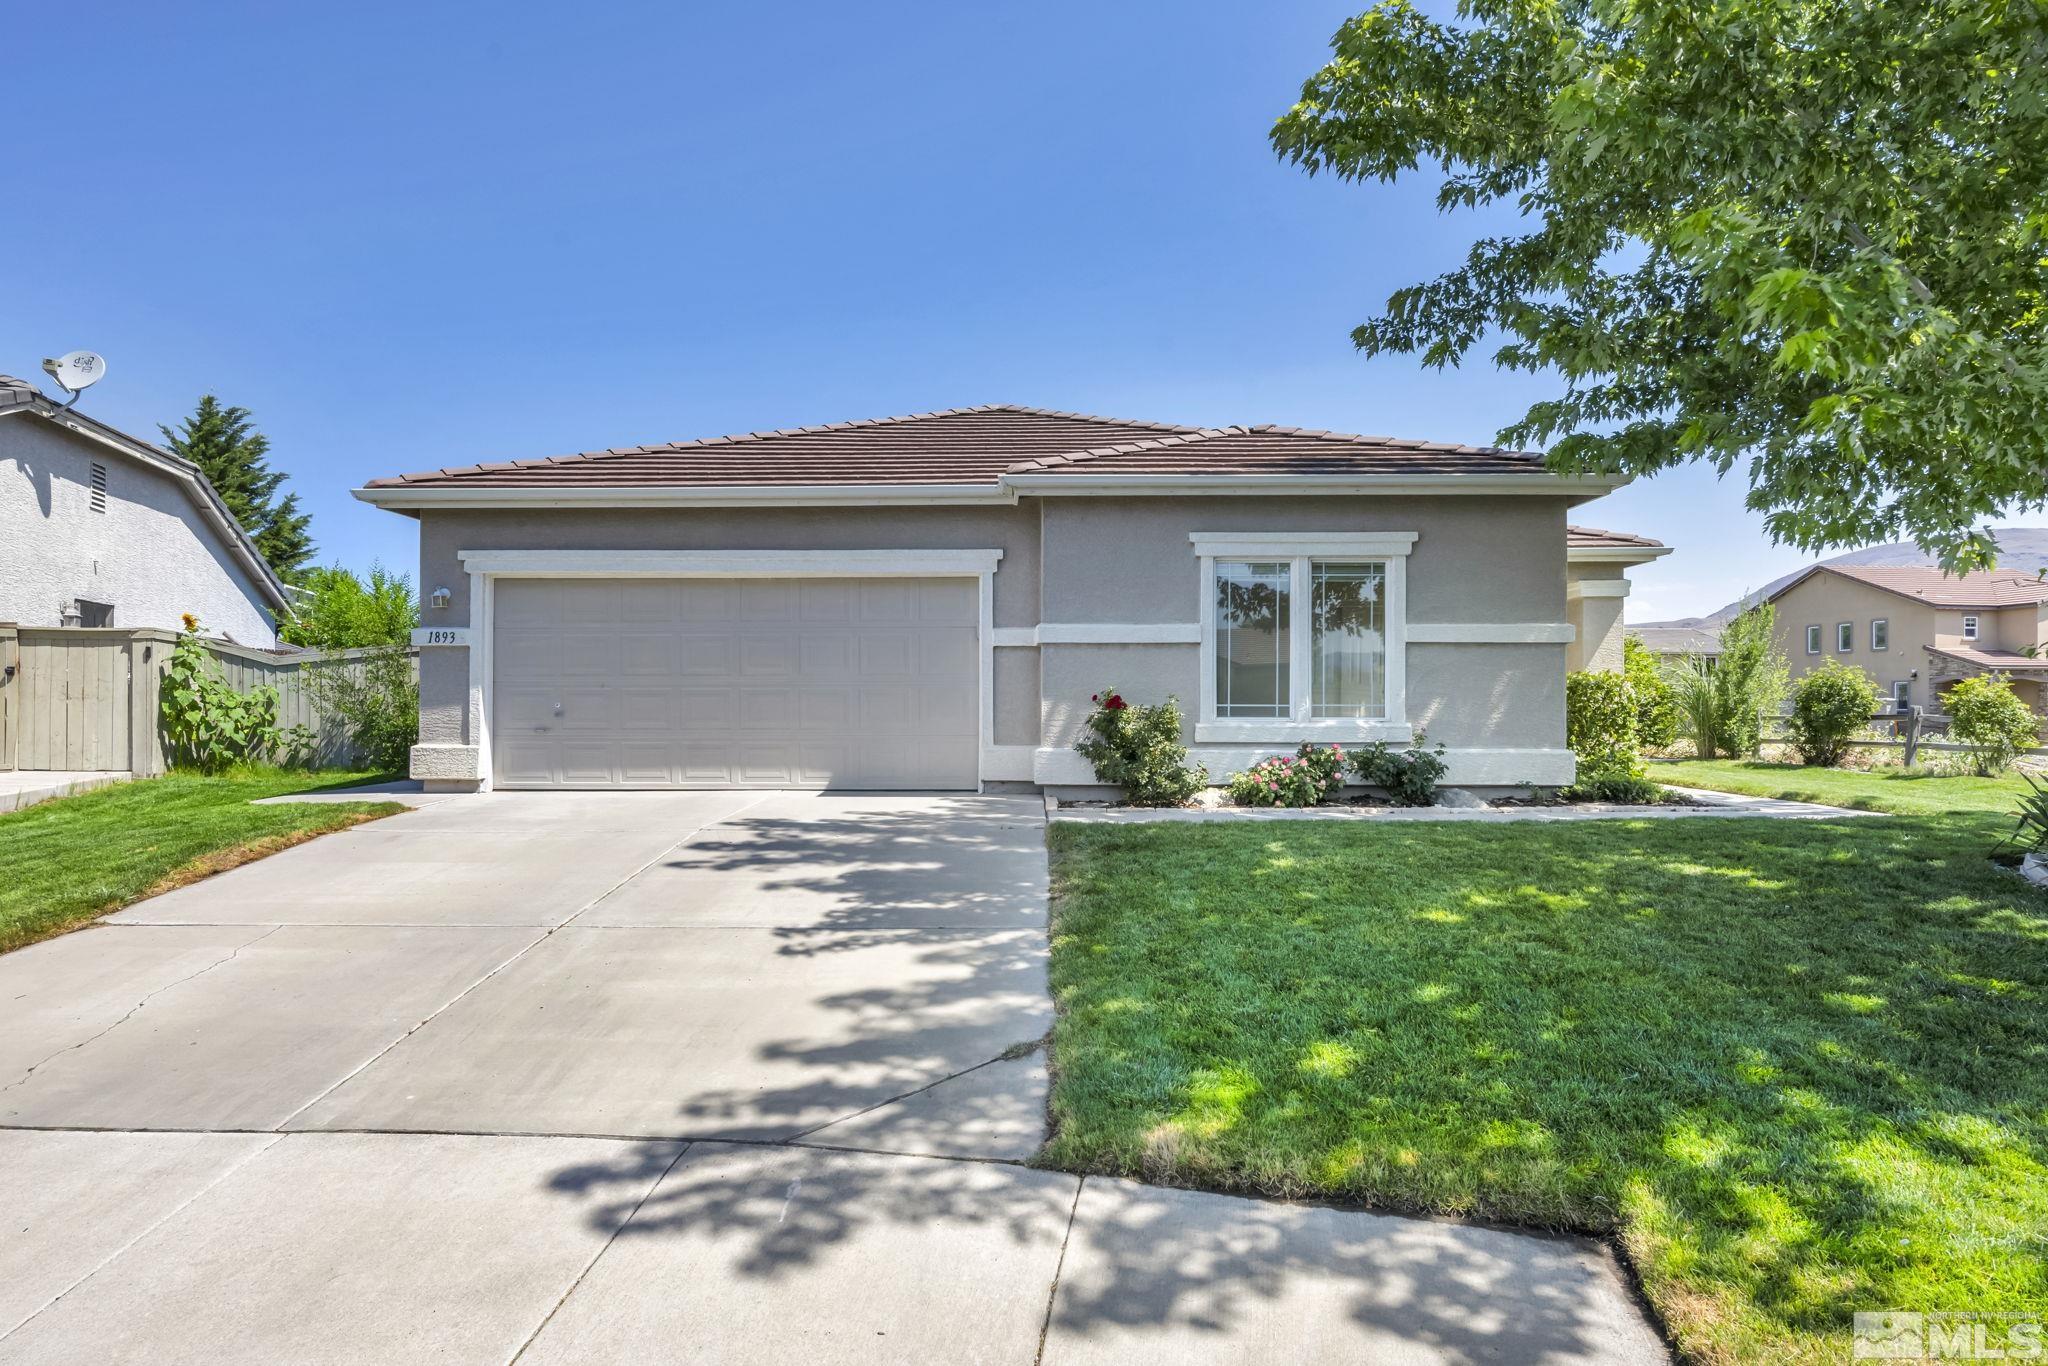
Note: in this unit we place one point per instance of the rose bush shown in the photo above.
(1139, 749)
(1308, 777)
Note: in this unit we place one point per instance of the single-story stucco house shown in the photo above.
(100, 528)
(929, 602)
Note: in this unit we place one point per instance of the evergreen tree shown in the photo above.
(230, 452)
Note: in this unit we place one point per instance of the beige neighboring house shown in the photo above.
(929, 601)
(1916, 630)
(1596, 585)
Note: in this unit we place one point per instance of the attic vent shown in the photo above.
(99, 487)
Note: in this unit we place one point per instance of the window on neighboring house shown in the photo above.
(1304, 632)
(95, 613)
(1902, 695)
(99, 487)
(1969, 628)
(1813, 640)
(1880, 634)
(1845, 636)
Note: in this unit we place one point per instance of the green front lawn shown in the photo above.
(1797, 1068)
(1909, 791)
(64, 862)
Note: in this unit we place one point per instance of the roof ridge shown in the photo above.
(1192, 436)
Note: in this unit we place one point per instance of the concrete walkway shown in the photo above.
(26, 787)
(652, 1077)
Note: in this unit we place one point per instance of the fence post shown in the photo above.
(1912, 735)
(145, 679)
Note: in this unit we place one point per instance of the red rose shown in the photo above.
(1114, 703)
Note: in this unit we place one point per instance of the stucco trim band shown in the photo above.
(1491, 633)
(1597, 588)
(1101, 633)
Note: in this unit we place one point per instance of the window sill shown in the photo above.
(1322, 731)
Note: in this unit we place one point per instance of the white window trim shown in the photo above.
(1970, 626)
(1813, 641)
(1878, 624)
(1298, 548)
(485, 567)
(1845, 637)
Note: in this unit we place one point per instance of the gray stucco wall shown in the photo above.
(1082, 561)
(1475, 560)
(150, 554)
(444, 674)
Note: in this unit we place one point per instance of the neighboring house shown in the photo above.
(98, 528)
(1916, 630)
(1675, 644)
(929, 601)
(1596, 584)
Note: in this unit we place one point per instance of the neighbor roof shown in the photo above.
(1678, 640)
(19, 396)
(976, 446)
(1990, 659)
(1925, 583)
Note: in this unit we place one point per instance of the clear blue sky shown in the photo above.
(419, 235)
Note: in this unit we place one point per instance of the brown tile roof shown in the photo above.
(976, 446)
(1591, 537)
(1984, 588)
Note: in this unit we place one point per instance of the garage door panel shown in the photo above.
(768, 656)
(757, 683)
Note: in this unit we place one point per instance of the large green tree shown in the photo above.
(225, 444)
(1804, 234)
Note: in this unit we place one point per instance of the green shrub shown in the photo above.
(1409, 777)
(1749, 676)
(1632, 787)
(1829, 707)
(1139, 749)
(374, 701)
(2030, 834)
(1600, 712)
(1308, 777)
(1656, 703)
(1985, 715)
(207, 725)
(1600, 719)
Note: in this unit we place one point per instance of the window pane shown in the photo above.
(1251, 638)
(1349, 644)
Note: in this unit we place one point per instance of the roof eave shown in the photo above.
(1616, 554)
(1577, 488)
(410, 498)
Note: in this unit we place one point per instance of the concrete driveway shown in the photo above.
(690, 1077)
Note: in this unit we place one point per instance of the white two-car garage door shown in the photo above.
(853, 683)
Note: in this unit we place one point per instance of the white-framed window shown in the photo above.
(1845, 636)
(1969, 628)
(1304, 635)
(1902, 695)
(1813, 640)
(1880, 634)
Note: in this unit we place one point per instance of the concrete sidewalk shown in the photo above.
(26, 787)
(603, 1077)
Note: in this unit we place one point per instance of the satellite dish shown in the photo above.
(76, 371)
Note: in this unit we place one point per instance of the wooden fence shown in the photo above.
(1912, 730)
(82, 698)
